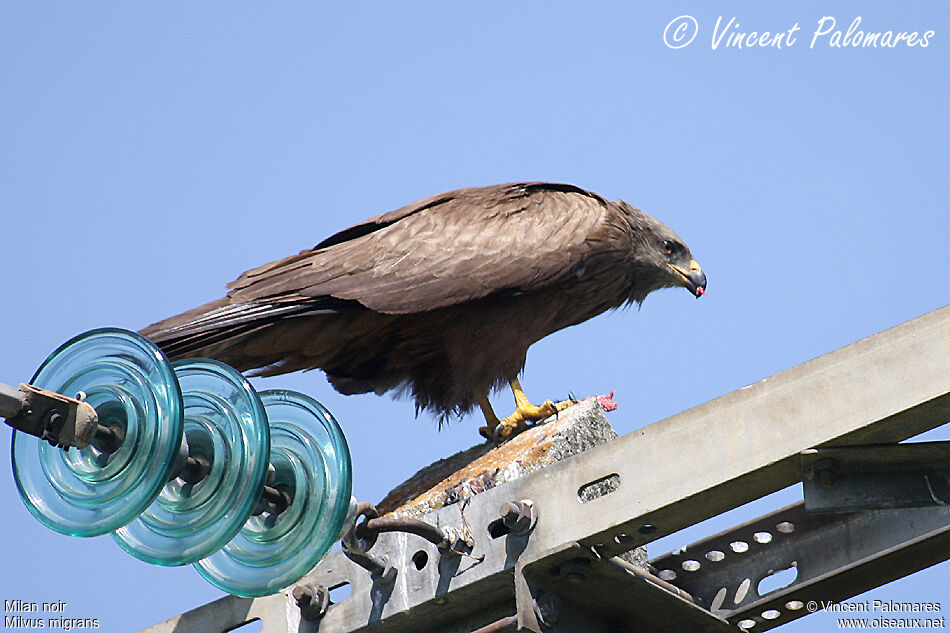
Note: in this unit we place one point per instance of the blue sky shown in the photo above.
(152, 153)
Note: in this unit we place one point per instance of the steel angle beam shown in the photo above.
(574, 589)
(819, 558)
(231, 612)
(878, 476)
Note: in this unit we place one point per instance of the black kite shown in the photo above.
(440, 298)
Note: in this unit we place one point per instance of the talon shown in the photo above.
(526, 415)
(498, 434)
(511, 426)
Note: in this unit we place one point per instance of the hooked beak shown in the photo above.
(693, 279)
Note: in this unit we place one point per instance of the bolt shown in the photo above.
(547, 608)
(456, 541)
(52, 425)
(303, 595)
(195, 469)
(512, 512)
(110, 433)
(575, 570)
(313, 600)
(826, 471)
(519, 516)
(379, 568)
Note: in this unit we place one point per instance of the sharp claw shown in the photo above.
(526, 416)
(497, 435)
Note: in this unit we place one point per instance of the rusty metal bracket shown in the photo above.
(58, 419)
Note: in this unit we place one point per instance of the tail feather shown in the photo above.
(218, 323)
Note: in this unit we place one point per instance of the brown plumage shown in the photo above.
(442, 297)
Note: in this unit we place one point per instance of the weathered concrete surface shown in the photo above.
(484, 466)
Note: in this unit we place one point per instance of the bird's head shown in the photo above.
(684, 269)
(663, 257)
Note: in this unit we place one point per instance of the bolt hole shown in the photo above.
(598, 488)
(338, 593)
(497, 528)
(251, 626)
(742, 591)
(780, 579)
(420, 559)
(647, 528)
(719, 598)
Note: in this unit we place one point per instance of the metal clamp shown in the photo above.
(356, 545)
(313, 600)
(58, 419)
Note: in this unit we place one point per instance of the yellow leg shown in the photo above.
(527, 411)
(524, 411)
(491, 420)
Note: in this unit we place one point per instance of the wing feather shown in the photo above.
(441, 251)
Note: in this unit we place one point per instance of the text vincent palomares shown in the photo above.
(730, 33)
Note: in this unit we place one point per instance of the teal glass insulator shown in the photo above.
(310, 461)
(133, 388)
(202, 508)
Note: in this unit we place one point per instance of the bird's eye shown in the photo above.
(667, 247)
